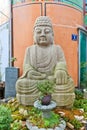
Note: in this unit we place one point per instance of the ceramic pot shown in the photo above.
(46, 100)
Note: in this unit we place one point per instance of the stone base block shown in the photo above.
(27, 99)
(62, 99)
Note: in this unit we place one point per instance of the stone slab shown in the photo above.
(11, 76)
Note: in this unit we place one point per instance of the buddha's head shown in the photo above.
(43, 31)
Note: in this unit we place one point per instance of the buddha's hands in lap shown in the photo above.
(35, 75)
(61, 77)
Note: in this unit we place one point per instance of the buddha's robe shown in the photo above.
(46, 61)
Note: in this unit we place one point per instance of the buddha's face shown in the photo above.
(43, 35)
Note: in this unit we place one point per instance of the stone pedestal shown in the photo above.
(46, 113)
(46, 109)
(11, 76)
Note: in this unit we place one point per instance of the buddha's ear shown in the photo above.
(52, 33)
(34, 42)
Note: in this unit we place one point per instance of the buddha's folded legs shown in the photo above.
(26, 86)
(64, 94)
(27, 92)
(65, 88)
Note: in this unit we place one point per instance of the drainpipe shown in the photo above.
(11, 33)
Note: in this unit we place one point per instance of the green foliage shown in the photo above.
(77, 124)
(46, 87)
(13, 59)
(35, 117)
(35, 111)
(5, 118)
(83, 64)
(84, 81)
(85, 115)
(78, 94)
(78, 104)
(81, 103)
(52, 122)
(17, 125)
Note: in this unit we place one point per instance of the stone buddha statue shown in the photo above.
(45, 61)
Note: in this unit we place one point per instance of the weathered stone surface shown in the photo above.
(45, 60)
(46, 109)
(61, 126)
(11, 76)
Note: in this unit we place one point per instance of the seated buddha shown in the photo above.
(45, 61)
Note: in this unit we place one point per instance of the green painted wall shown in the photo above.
(75, 3)
(85, 20)
(15, 1)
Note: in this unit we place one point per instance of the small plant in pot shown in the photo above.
(45, 88)
(12, 60)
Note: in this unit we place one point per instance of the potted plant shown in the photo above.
(45, 88)
(13, 59)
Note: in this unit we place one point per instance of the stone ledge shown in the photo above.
(61, 126)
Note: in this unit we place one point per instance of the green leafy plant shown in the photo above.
(52, 122)
(5, 118)
(17, 125)
(13, 59)
(81, 103)
(45, 88)
(84, 81)
(36, 118)
(78, 94)
(78, 104)
(77, 124)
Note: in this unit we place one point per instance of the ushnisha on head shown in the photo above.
(43, 31)
(43, 21)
